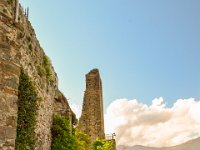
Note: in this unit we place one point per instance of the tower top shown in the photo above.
(95, 70)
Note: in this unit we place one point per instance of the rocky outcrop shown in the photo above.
(92, 119)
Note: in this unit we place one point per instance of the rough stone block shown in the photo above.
(1, 86)
(4, 107)
(6, 57)
(10, 68)
(11, 121)
(10, 132)
(12, 83)
(2, 118)
(2, 133)
(10, 142)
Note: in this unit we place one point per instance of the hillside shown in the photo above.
(190, 145)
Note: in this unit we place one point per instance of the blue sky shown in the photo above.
(143, 48)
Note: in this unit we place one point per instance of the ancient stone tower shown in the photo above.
(92, 119)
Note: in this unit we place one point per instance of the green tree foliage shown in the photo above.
(83, 142)
(26, 114)
(103, 145)
(63, 139)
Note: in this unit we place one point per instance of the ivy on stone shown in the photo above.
(27, 109)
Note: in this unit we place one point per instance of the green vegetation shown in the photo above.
(66, 137)
(44, 70)
(103, 145)
(26, 114)
(47, 67)
(60, 93)
(63, 139)
(83, 142)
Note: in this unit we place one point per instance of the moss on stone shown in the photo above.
(27, 109)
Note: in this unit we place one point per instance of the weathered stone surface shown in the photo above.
(2, 133)
(19, 47)
(1, 86)
(11, 121)
(92, 118)
(7, 133)
(10, 143)
(16, 52)
(6, 57)
(12, 83)
(10, 133)
(61, 105)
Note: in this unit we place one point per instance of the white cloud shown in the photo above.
(76, 109)
(156, 125)
(158, 102)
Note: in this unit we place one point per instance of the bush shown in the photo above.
(104, 145)
(83, 141)
(63, 139)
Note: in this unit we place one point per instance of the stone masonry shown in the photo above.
(92, 118)
(19, 47)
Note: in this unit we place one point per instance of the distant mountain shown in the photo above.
(190, 145)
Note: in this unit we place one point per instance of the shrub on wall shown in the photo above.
(83, 141)
(103, 145)
(62, 137)
(47, 67)
(26, 114)
(45, 70)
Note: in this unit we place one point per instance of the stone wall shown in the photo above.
(61, 105)
(9, 79)
(92, 118)
(19, 47)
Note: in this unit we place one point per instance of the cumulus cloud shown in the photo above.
(156, 125)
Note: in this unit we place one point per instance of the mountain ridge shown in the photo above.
(193, 144)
